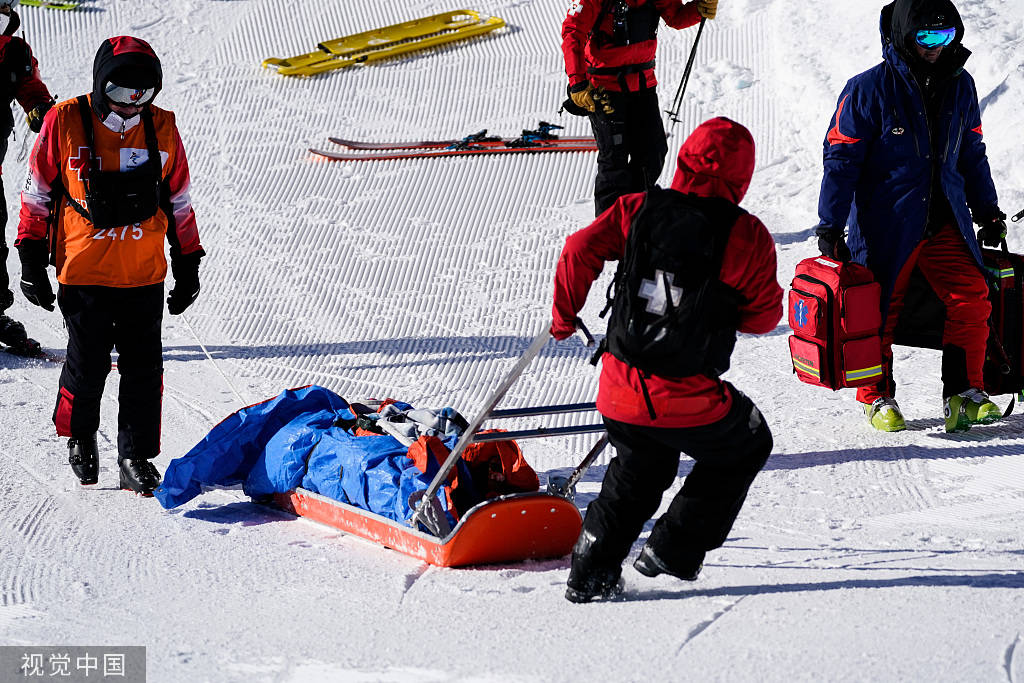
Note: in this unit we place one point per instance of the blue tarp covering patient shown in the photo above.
(304, 437)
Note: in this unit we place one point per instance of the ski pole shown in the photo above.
(1018, 217)
(673, 114)
(203, 347)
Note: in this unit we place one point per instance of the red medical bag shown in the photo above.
(835, 317)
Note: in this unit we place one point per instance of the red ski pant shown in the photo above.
(952, 273)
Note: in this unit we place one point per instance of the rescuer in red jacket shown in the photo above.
(609, 48)
(19, 80)
(702, 416)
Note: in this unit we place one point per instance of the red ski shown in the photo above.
(435, 144)
(548, 146)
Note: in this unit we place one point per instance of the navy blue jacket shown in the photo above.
(879, 154)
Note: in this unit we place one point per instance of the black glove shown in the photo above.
(186, 282)
(993, 229)
(35, 117)
(35, 283)
(6, 299)
(832, 244)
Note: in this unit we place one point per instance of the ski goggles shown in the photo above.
(128, 97)
(931, 38)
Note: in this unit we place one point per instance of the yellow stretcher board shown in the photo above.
(389, 41)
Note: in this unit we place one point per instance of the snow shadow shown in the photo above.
(466, 349)
(795, 461)
(992, 580)
(242, 513)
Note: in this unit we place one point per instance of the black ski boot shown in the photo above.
(12, 334)
(84, 458)
(588, 580)
(139, 475)
(649, 564)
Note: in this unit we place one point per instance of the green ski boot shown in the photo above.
(885, 416)
(971, 407)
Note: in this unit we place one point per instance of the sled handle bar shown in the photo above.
(531, 411)
(467, 436)
(538, 432)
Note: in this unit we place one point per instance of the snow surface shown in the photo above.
(858, 556)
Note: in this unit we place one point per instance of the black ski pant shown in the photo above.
(631, 146)
(5, 283)
(100, 319)
(728, 454)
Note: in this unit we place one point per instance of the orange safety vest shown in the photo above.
(125, 256)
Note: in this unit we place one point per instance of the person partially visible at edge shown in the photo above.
(906, 170)
(702, 416)
(609, 48)
(19, 74)
(109, 170)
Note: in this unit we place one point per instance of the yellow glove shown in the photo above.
(707, 8)
(586, 96)
(582, 96)
(602, 100)
(34, 119)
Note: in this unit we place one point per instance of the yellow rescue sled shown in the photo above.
(389, 41)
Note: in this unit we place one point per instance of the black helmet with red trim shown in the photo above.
(127, 72)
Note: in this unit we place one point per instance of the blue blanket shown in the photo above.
(299, 438)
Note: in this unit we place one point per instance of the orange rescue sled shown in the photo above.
(512, 528)
(509, 528)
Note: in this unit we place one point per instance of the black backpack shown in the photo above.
(671, 315)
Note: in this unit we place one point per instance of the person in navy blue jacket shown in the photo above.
(906, 170)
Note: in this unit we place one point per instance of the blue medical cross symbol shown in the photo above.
(800, 312)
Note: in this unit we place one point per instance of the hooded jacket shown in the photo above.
(127, 256)
(19, 79)
(891, 160)
(717, 160)
(583, 47)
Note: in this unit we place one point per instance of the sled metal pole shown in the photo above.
(598, 448)
(538, 432)
(673, 114)
(530, 411)
(467, 436)
(217, 367)
(566, 486)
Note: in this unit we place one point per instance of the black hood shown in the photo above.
(902, 19)
(128, 62)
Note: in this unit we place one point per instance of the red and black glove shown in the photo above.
(562, 330)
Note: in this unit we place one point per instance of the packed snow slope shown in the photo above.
(859, 555)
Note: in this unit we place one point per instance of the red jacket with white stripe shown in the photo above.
(127, 256)
(717, 160)
(581, 51)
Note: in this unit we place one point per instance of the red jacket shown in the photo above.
(21, 72)
(581, 52)
(717, 160)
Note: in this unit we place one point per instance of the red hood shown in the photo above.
(717, 160)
